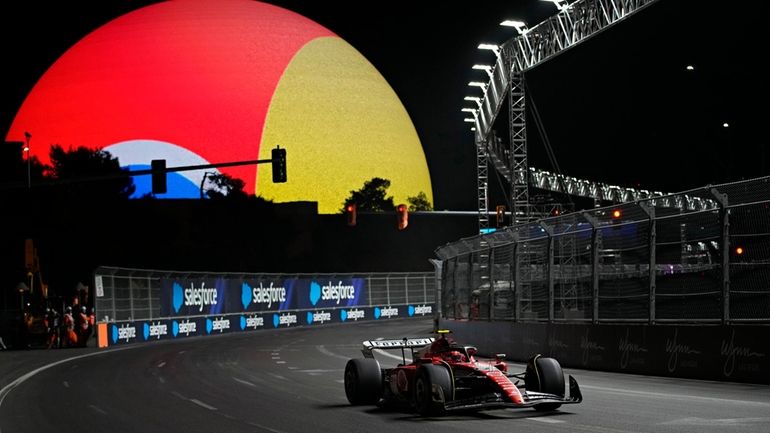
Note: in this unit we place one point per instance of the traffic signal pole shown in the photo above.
(164, 170)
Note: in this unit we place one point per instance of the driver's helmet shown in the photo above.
(455, 355)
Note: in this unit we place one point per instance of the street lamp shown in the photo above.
(560, 4)
(485, 68)
(491, 47)
(478, 84)
(27, 135)
(520, 26)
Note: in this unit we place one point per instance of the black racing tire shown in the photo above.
(429, 375)
(363, 381)
(545, 375)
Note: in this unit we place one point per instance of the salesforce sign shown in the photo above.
(266, 295)
(336, 293)
(193, 297)
(207, 297)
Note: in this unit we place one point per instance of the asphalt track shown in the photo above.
(291, 381)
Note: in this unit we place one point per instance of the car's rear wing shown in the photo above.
(405, 343)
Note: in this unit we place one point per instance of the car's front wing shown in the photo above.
(496, 400)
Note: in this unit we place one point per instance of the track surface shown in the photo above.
(291, 381)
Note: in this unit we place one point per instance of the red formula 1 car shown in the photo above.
(445, 376)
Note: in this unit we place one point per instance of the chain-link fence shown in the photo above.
(134, 294)
(703, 255)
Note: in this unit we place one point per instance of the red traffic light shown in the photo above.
(402, 212)
(739, 250)
(350, 212)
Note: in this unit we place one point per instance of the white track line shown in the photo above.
(8, 388)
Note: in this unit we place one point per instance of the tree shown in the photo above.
(419, 203)
(87, 165)
(372, 197)
(224, 186)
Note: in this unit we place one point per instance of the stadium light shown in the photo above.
(560, 4)
(478, 84)
(491, 47)
(520, 26)
(485, 68)
(690, 67)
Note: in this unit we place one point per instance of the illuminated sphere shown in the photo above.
(200, 82)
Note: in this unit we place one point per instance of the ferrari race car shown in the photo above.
(445, 376)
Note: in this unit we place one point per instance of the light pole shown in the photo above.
(27, 135)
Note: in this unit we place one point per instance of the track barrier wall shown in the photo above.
(739, 353)
(135, 305)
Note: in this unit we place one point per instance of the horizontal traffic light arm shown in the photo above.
(198, 167)
(127, 173)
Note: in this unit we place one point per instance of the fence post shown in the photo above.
(131, 295)
(724, 215)
(387, 288)
(406, 289)
(438, 267)
(516, 283)
(595, 234)
(650, 211)
(549, 266)
(491, 258)
(149, 296)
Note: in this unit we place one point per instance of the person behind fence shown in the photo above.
(84, 330)
(52, 325)
(92, 321)
(70, 337)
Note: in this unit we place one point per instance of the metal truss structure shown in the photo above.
(574, 23)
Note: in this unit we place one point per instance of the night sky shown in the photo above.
(620, 108)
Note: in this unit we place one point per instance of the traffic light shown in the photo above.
(500, 215)
(403, 216)
(350, 213)
(616, 214)
(279, 165)
(158, 176)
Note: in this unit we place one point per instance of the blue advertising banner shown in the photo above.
(206, 297)
(121, 333)
(263, 295)
(193, 297)
(330, 293)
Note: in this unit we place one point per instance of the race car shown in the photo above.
(445, 376)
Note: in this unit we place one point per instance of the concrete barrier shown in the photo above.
(739, 353)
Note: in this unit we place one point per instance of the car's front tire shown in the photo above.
(363, 381)
(433, 386)
(545, 375)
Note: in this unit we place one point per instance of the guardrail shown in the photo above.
(136, 305)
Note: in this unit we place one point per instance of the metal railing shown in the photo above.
(124, 294)
(655, 260)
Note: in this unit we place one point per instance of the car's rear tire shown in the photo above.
(545, 375)
(363, 381)
(430, 401)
